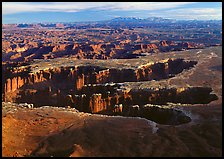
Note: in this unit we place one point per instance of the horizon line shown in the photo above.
(86, 21)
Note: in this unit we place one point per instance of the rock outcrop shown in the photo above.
(89, 51)
(89, 90)
(77, 77)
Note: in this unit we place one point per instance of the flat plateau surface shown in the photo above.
(194, 54)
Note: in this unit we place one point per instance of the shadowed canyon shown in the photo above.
(91, 106)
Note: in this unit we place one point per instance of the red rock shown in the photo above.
(163, 43)
(80, 82)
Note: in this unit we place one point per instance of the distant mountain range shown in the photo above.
(118, 20)
(151, 19)
(134, 19)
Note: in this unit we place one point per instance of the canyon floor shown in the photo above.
(53, 131)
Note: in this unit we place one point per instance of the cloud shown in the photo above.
(190, 13)
(176, 10)
(18, 7)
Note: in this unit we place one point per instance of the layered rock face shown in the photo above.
(101, 98)
(81, 75)
(90, 89)
(163, 70)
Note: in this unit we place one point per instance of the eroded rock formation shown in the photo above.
(88, 51)
(91, 88)
(78, 76)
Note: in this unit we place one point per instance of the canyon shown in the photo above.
(175, 98)
(114, 39)
(95, 89)
(28, 52)
(123, 87)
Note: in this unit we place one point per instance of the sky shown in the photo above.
(36, 12)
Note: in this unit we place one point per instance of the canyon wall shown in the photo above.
(89, 86)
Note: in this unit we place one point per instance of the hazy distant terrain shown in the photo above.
(112, 39)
